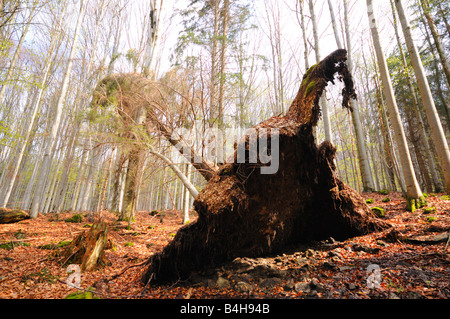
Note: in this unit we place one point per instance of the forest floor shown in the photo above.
(412, 268)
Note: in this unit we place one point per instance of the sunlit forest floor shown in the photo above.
(412, 261)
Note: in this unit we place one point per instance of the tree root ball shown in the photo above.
(243, 212)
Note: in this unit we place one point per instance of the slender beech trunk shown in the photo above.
(183, 178)
(214, 62)
(413, 191)
(363, 160)
(153, 35)
(105, 183)
(415, 117)
(437, 40)
(12, 65)
(305, 39)
(333, 24)
(428, 102)
(223, 60)
(323, 99)
(46, 161)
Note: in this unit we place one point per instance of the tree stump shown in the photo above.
(244, 213)
(88, 248)
(8, 216)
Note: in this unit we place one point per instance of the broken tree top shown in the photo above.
(242, 212)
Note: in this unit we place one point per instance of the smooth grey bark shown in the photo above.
(51, 142)
(323, 99)
(428, 103)
(413, 191)
(363, 159)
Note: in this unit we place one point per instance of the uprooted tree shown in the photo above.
(243, 212)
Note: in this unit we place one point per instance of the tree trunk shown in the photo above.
(223, 61)
(333, 24)
(437, 40)
(46, 161)
(323, 101)
(428, 102)
(134, 168)
(214, 111)
(88, 248)
(363, 160)
(12, 65)
(413, 115)
(305, 39)
(245, 210)
(413, 191)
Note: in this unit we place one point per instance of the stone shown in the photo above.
(243, 287)
(352, 286)
(222, 283)
(366, 249)
(393, 296)
(329, 265)
(288, 287)
(270, 282)
(302, 287)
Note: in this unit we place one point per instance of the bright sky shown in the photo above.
(291, 29)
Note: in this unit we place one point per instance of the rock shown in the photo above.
(329, 265)
(367, 249)
(241, 277)
(393, 296)
(275, 272)
(222, 283)
(243, 287)
(211, 283)
(414, 295)
(314, 284)
(343, 268)
(334, 253)
(288, 287)
(352, 286)
(302, 287)
(270, 282)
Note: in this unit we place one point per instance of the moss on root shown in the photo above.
(414, 203)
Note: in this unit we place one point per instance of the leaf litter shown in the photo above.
(412, 260)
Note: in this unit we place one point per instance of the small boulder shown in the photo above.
(243, 287)
(222, 283)
(270, 282)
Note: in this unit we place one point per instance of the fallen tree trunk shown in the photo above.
(8, 216)
(244, 212)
